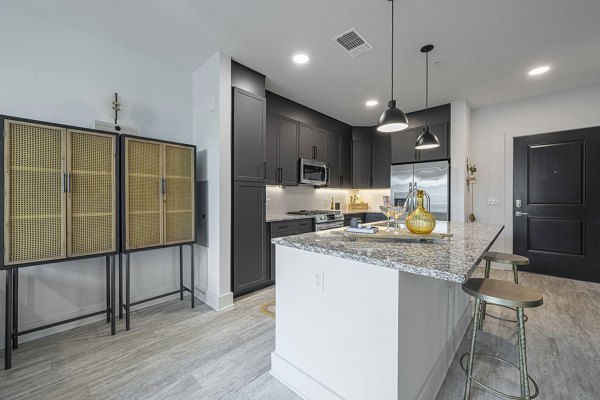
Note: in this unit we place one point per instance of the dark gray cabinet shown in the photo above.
(321, 139)
(361, 164)
(282, 151)
(381, 161)
(439, 153)
(249, 136)
(272, 174)
(306, 139)
(287, 151)
(403, 145)
(249, 236)
(278, 229)
(333, 161)
(345, 162)
(312, 143)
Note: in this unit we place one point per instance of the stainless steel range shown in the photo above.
(324, 219)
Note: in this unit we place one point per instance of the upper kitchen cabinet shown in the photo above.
(403, 145)
(439, 153)
(249, 136)
(333, 161)
(282, 151)
(312, 143)
(272, 174)
(380, 161)
(321, 140)
(361, 164)
(345, 162)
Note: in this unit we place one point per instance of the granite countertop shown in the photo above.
(289, 217)
(452, 259)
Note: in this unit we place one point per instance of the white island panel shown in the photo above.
(371, 333)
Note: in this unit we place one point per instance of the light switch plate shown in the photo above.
(493, 201)
(317, 277)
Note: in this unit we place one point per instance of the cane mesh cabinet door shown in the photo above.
(179, 194)
(143, 197)
(34, 198)
(91, 193)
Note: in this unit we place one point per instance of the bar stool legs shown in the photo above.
(523, 355)
(476, 322)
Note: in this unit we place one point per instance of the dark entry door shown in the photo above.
(556, 203)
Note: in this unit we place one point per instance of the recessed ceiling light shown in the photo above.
(301, 58)
(371, 103)
(539, 70)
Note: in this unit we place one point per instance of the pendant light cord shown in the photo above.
(392, 98)
(427, 89)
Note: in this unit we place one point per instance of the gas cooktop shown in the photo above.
(313, 212)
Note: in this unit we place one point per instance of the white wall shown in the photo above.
(493, 130)
(460, 132)
(56, 74)
(212, 136)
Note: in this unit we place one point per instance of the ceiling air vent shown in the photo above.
(353, 42)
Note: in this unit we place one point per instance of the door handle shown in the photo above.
(68, 183)
(520, 214)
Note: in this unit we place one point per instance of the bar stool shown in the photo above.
(502, 258)
(507, 294)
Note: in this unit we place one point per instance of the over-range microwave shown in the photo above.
(313, 172)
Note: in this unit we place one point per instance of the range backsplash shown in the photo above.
(281, 200)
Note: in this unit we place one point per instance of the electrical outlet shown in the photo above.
(318, 280)
(493, 201)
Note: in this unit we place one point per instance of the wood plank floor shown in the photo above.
(173, 352)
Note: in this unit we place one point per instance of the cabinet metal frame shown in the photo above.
(11, 331)
(124, 301)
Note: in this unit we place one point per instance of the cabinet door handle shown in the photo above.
(63, 183)
(341, 180)
(371, 181)
(68, 183)
(264, 164)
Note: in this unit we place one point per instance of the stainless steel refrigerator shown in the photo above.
(433, 177)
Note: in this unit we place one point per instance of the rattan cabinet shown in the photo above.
(60, 203)
(158, 206)
(59, 193)
(158, 193)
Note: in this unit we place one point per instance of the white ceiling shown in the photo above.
(484, 47)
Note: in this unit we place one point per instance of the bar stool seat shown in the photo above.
(505, 258)
(502, 258)
(505, 294)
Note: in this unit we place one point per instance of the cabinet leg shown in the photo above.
(127, 294)
(180, 272)
(15, 316)
(113, 319)
(108, 289)
(192, 285)
(8, 320)
(120, 286)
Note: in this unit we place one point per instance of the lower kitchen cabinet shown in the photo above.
(374, 217)
(277, 229)
(249, 237)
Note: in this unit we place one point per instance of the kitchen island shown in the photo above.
(363, 319)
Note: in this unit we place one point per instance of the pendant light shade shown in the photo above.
(427, 139)
(393, 119)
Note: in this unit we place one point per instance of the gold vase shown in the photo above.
(420, 221)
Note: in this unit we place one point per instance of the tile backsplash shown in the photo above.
(281, 200)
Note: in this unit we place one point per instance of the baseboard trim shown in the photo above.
(214, 301)
(299, 381)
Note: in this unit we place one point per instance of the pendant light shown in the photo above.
(393, 119)
(427, 140)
